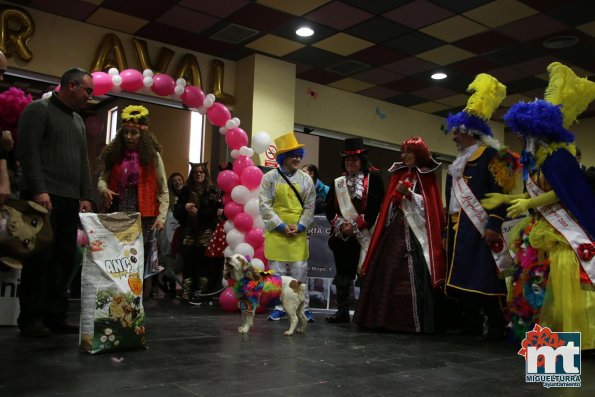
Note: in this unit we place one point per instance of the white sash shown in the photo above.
(350, 213)
(479, 217)
(560, 220)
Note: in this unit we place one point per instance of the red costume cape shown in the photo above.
(435, 220)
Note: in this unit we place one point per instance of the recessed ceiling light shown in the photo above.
(439, 76)
(561, 42)
(304, 31)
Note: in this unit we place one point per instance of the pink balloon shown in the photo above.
(226, 198)
(218, 114)
(228, 301)
(81, 238)
(243, 222)
(236, 138)
(227, 180)
(132, 80)
(102, 83)
(192, 97)
(231, 209)
(251, 177)
(163, 85)
(255, 238)
(241, 163)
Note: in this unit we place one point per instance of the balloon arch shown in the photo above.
(241, 185)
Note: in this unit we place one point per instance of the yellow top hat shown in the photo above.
(287, 143)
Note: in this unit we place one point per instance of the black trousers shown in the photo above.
(46, 275)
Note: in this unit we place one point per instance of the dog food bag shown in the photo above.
(112, 314)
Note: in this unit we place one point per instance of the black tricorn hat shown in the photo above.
(354, 147)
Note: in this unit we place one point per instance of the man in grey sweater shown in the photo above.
(52, 150)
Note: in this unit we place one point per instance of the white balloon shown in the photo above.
(117, 80)
(148, 81)
(223, 130)
(236, 122)
(240, 194)
(227, 252)
(258, 223)
(179, 90)
(224, 283)
(229, 125)
(250, 152)
(258, 264)
(243, 150)
(244, 249)
(251, 207)
(209, 101)
(255, 193)
(147, 73)
(261, 141)
(234, 154)
(181, 82)
(227, 226)
(234, 237)
(113, 72)
(202, 109)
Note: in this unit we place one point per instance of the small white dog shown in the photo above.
(255, 289)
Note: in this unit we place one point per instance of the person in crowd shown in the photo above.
(351, 207)
(12, 103)
(169, 239)
(404, 270)
(554, 269)
(52, 151)
(319, 186)
(287, 199)
(476, 257)
(198, 210)
(133, 176)
(216, 248)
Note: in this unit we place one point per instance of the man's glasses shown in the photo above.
(88, 90)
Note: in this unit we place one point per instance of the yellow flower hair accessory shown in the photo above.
(135, 116)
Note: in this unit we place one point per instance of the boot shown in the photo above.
(342, 314)
(187, 289)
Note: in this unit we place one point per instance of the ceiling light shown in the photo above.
(439, 76)
(561, 42)
(304, 31)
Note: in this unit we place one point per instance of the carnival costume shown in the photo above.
(554, 251)
(473, 266)
(404, 267)
(364, 192)
(281, 205)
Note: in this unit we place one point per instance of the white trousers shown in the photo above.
(297, 270)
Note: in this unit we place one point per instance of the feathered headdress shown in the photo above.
(486, 95)
(566, 97)
(12, 102)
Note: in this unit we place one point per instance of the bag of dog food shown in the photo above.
(112, 314)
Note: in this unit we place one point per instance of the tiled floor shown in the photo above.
(196, 351)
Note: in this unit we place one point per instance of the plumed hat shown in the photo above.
(566, 97)
(486, 95)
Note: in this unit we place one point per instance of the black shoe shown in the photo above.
(62, 327)
(338, 317)
(34, 330)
